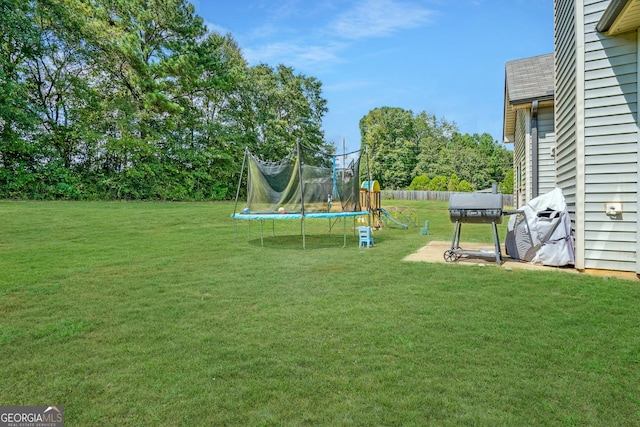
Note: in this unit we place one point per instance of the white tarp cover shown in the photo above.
(541, 232)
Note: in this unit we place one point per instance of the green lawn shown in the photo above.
(143, 314)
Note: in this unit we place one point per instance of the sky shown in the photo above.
(444, 57)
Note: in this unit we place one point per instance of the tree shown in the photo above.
(478, 159)
(433, 157)
(145, 65)
(276, 108)
(465, 186)
(201, 156)
(19, 43)
(389, 136)
(420, 182)
(438, 183)
(453, 183)
(506, 186)
(402, 146)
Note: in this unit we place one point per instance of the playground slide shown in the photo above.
(392, 219)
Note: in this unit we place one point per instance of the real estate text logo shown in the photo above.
(31, 416)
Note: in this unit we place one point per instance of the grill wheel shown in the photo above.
(451, 256)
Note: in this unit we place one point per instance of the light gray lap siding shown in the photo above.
(565, 95)
(546, 143)
(610, 143)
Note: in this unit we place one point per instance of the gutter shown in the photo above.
(610, 15)
(524, 101)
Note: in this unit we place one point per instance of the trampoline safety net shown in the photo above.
(303, 181)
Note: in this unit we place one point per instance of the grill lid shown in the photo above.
(478, 208)
(475, 201)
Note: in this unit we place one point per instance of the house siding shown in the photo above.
(610, 143)
(596, 113)
(566, 98)
(546, 143)
(523, 155)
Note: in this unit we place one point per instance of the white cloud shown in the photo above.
(215, 28)
(292, 54)
(319, 45)
(379, 18)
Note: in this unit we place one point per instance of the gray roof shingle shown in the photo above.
(530, 79)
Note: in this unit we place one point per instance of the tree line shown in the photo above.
(421, 152)
(136, 99)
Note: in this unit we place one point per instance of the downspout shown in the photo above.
(534, 150)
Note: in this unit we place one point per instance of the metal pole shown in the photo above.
(261, 236)
(344, 232)
(496, 241)
(304, 238)
(334, 187)
(368, 185)
(244, 158)
(455, 234)
(235, 207)
(344, 169)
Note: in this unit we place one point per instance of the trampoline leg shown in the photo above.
(344, 233)
(261, 236)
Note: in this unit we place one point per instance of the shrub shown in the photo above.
(506, 186)
(465, 186)
(454, 182)
(420, 182)
(438, 183)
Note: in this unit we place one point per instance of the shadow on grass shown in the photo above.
(312, 242)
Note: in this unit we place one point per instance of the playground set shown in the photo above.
(308, 184)
(398, 216)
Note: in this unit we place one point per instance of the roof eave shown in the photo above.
(521, 102)
(610, 15)
(621, 16)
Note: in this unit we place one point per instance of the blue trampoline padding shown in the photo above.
(297, 215)
(334, 214)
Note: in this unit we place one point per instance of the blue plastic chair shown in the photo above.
(365, 237)
(425, 230)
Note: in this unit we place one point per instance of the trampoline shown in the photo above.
(304, 185)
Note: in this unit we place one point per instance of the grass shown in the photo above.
(142, 314)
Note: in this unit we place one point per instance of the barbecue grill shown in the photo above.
(475, 208)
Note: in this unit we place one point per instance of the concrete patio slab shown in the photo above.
(434, 252)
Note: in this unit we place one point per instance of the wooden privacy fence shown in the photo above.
(507, 199)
